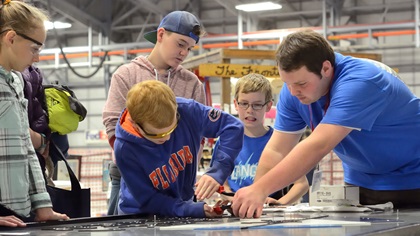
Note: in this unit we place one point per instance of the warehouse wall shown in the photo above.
(92, 91)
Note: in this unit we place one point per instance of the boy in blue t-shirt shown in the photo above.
(253, 98)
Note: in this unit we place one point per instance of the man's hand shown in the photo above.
(11, 221)
(44, 214)
(248, 202)
(206, 187)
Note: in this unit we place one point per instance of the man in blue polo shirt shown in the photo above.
(359, 108)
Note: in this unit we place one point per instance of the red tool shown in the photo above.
(221, 208)
(222, 191)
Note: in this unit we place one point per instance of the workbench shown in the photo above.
(393, 222)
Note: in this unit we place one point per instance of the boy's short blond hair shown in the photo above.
(152, 102)
(252, 83)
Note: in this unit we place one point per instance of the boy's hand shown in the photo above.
(273, 201)
(44, 214)
(209, 211)
(11, 221)
(216, 210)
(206, 187)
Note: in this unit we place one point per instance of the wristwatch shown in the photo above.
(43, 142)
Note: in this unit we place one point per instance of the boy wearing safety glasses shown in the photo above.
(158, 136)
(253, 98)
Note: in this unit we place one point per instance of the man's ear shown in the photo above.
(327, 69)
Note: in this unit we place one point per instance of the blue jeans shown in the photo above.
(114, 174)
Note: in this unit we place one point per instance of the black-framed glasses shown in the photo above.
(255, 106)
(30, 39)
(158, 136)
(24, 36)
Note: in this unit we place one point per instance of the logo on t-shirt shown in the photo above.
(214, 114)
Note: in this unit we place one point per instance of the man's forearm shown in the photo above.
(265, 163)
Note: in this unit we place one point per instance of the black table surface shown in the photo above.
(395, 222)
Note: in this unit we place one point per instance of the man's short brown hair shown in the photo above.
(304, 48)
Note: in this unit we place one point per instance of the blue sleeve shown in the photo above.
(356, 103)
(287, 114)
(230, 131)
(216, 146)
(148, 198)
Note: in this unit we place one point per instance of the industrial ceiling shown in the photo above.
(125, 21)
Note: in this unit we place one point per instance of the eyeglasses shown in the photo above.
(35, 50)
(255, 106)
(158, 136)
(25, 37)
(30, 39)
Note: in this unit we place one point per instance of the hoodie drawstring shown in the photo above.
(169, 76)
(156, 75)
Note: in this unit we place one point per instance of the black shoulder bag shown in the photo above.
(75, 203)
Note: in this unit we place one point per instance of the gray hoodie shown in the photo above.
(183, 82)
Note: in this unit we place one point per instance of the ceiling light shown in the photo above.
(261, 6)
(56, 24)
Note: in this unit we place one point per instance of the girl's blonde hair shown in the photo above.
(21, 17)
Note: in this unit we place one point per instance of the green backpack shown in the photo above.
(65, 111)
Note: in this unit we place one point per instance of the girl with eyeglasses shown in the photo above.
(22, 184)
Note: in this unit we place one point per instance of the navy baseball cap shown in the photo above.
(180, 22)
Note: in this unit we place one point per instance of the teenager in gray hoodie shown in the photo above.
(176, 35)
